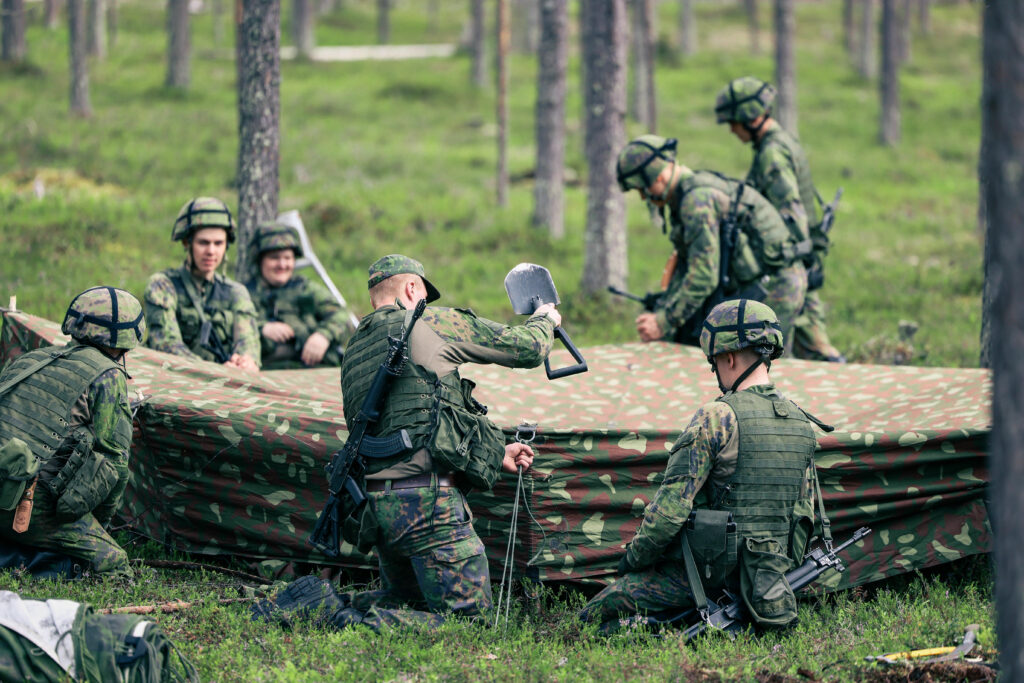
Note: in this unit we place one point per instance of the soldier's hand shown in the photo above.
(517, 455)
(314, 349)
(647, 327)
(278, 332)
(242, 362)
(624, 566)
(550, 311)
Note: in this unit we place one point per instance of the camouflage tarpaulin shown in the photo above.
(229, 463)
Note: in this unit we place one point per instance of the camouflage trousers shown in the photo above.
(431, 560)
(658, 588)
(785, 292)
(811, 340)
(21, 660)
(83, 539)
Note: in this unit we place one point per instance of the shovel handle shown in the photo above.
(581, 364)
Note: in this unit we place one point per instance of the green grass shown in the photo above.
(400, 156)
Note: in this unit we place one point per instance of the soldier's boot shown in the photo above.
(309, 598)
(345, 617)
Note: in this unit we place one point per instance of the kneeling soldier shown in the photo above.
(66, 409)
(757, 488)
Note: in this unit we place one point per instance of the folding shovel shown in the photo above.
(529, 287)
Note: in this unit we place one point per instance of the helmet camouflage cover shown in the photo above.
(275, 236)
(107, 316)
(203, 212)
(743, 100)
(741, 324)
(642, 159)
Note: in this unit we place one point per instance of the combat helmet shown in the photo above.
(275, 236)
(642, 159)
(106, 316)
(743, 100)
(741, 324)
(203, 212)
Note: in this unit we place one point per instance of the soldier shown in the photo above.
(780, 172)
(194, 311)
(763, 479)
(430, 556)
(69, 406)
(706, 210)
(300, 322)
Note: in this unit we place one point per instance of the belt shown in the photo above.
(419, 481)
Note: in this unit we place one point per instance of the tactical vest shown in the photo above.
(415, 397)
(217, 307)
(38, 409)
(776, 447)
(763, 242)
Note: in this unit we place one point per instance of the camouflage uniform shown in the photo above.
(306, 307)
(101, 409)
(174, 322)
(695, 222)
(430, 556)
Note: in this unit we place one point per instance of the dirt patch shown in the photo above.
(59, 181)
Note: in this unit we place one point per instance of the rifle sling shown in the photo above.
(700, 599)
(193, 295)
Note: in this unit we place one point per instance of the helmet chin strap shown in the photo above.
(762, 359)
(653, 208)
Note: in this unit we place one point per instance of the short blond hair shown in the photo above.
(386, 291)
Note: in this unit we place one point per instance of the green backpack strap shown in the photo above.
(700, 599)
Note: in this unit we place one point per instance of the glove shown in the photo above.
(624, 566)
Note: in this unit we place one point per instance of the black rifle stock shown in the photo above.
(346, 467)
(729, 614)
(648, 300)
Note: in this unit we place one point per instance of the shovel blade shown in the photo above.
(529, 287)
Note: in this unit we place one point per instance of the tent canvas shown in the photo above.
(226, 463)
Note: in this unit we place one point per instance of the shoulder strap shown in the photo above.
(193, 295)
(34, 368)
(826, 524)
(700, 599)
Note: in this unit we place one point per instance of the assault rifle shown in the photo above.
(732, 615)
(648, 300)
(209, 340)
(828, 213)
(728, 234)
(347, 467)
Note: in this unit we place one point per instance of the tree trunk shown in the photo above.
(383, 21)
(889, 86)
(604, 49)
(848, 31)
(754, 26)
(13, 31)
(1003, 117)
(217, 7)
(785, 65)
(867, 62)
(179, 45)
(904, 12)
(924, 16)
(96, 31)
(552, 63)
(302, 28)
(79, 91)
(501, 69)
(478, 44)
(112, 23)
(643, 100)
(259, 115)
(687, 28)
(51, 13)
(524, 26)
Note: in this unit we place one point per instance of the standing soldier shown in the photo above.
(760, 485)
(300, 323)
(729, 240)
(64, 416)
(780, 172)
(193, 310)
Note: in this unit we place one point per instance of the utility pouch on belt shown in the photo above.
(764, 589)
(712, 537)
(465, 441)
(18, 467)
(359, 526)
(85, 480)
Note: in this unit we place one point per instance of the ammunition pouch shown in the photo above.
(712, 538)
(764, 589)
(359, 526)
(466, 442)
(85, 479)
(18, 467)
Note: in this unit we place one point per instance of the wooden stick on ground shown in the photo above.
(167, 607)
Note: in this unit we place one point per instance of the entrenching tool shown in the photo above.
(529, 287)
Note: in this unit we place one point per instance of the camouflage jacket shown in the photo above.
(167, 310)
(781, 173)
(446, 338)
(703, 457)
(306, 307)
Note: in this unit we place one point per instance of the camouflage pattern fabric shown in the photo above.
(811, 338)
(107, 316)
(174, 322)
(224, 465)
(743, 100)
(306, 307)
(397, 264)
(724, 331)
(430, 560)
(658, 588)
